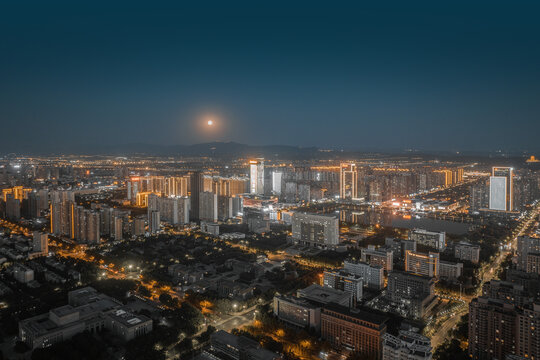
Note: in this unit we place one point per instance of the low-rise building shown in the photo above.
(323, 295)
(87, 310)
(406, 346)
(297, 311)
(467, 251)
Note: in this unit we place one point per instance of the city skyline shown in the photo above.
(454, 77)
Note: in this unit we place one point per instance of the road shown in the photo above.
(487, 273)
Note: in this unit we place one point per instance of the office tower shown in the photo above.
(344, 281)
(208, 207)
(528, 254)
(382, 256)
(276, 182)
(434, 239)
(406, 346)
(348, 181)
(138, 226)
(355, 329)
(40, 243)
(256, 176)
(154, 222)
(466, 251)
(297, 312)
(423, 264)
(372, 275)
(196, 186)
(118, 229)
(315, 229)
(501, 192)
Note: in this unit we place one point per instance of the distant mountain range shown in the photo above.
(235, 150)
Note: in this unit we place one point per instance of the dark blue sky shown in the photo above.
(386, 74)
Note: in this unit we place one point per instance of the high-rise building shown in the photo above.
(40, 243)
(196, 187)
(256, 176)
(154, 222)
(208, 206)
(276, 182)
(492, 329)
(479, 196)
(13, 208)
(528, 254)
(118, 229)
(348, 181)
(138, 225)
(501, 189)
(423, 264)
(315, 229)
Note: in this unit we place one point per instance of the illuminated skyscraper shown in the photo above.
(501, 189)
(196, 186)
(348, 181)
(256, 176)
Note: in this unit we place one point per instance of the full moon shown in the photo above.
(210, 122)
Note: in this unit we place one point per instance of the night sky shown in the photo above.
(381, 75)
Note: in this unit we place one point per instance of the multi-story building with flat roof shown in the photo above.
(433, 239)
(360, 331)
(87, 310)
(423, 264)
(467, 251)
(297, 312)
(382, 256)
(406, 346)
(315, 229)
(372, 275)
